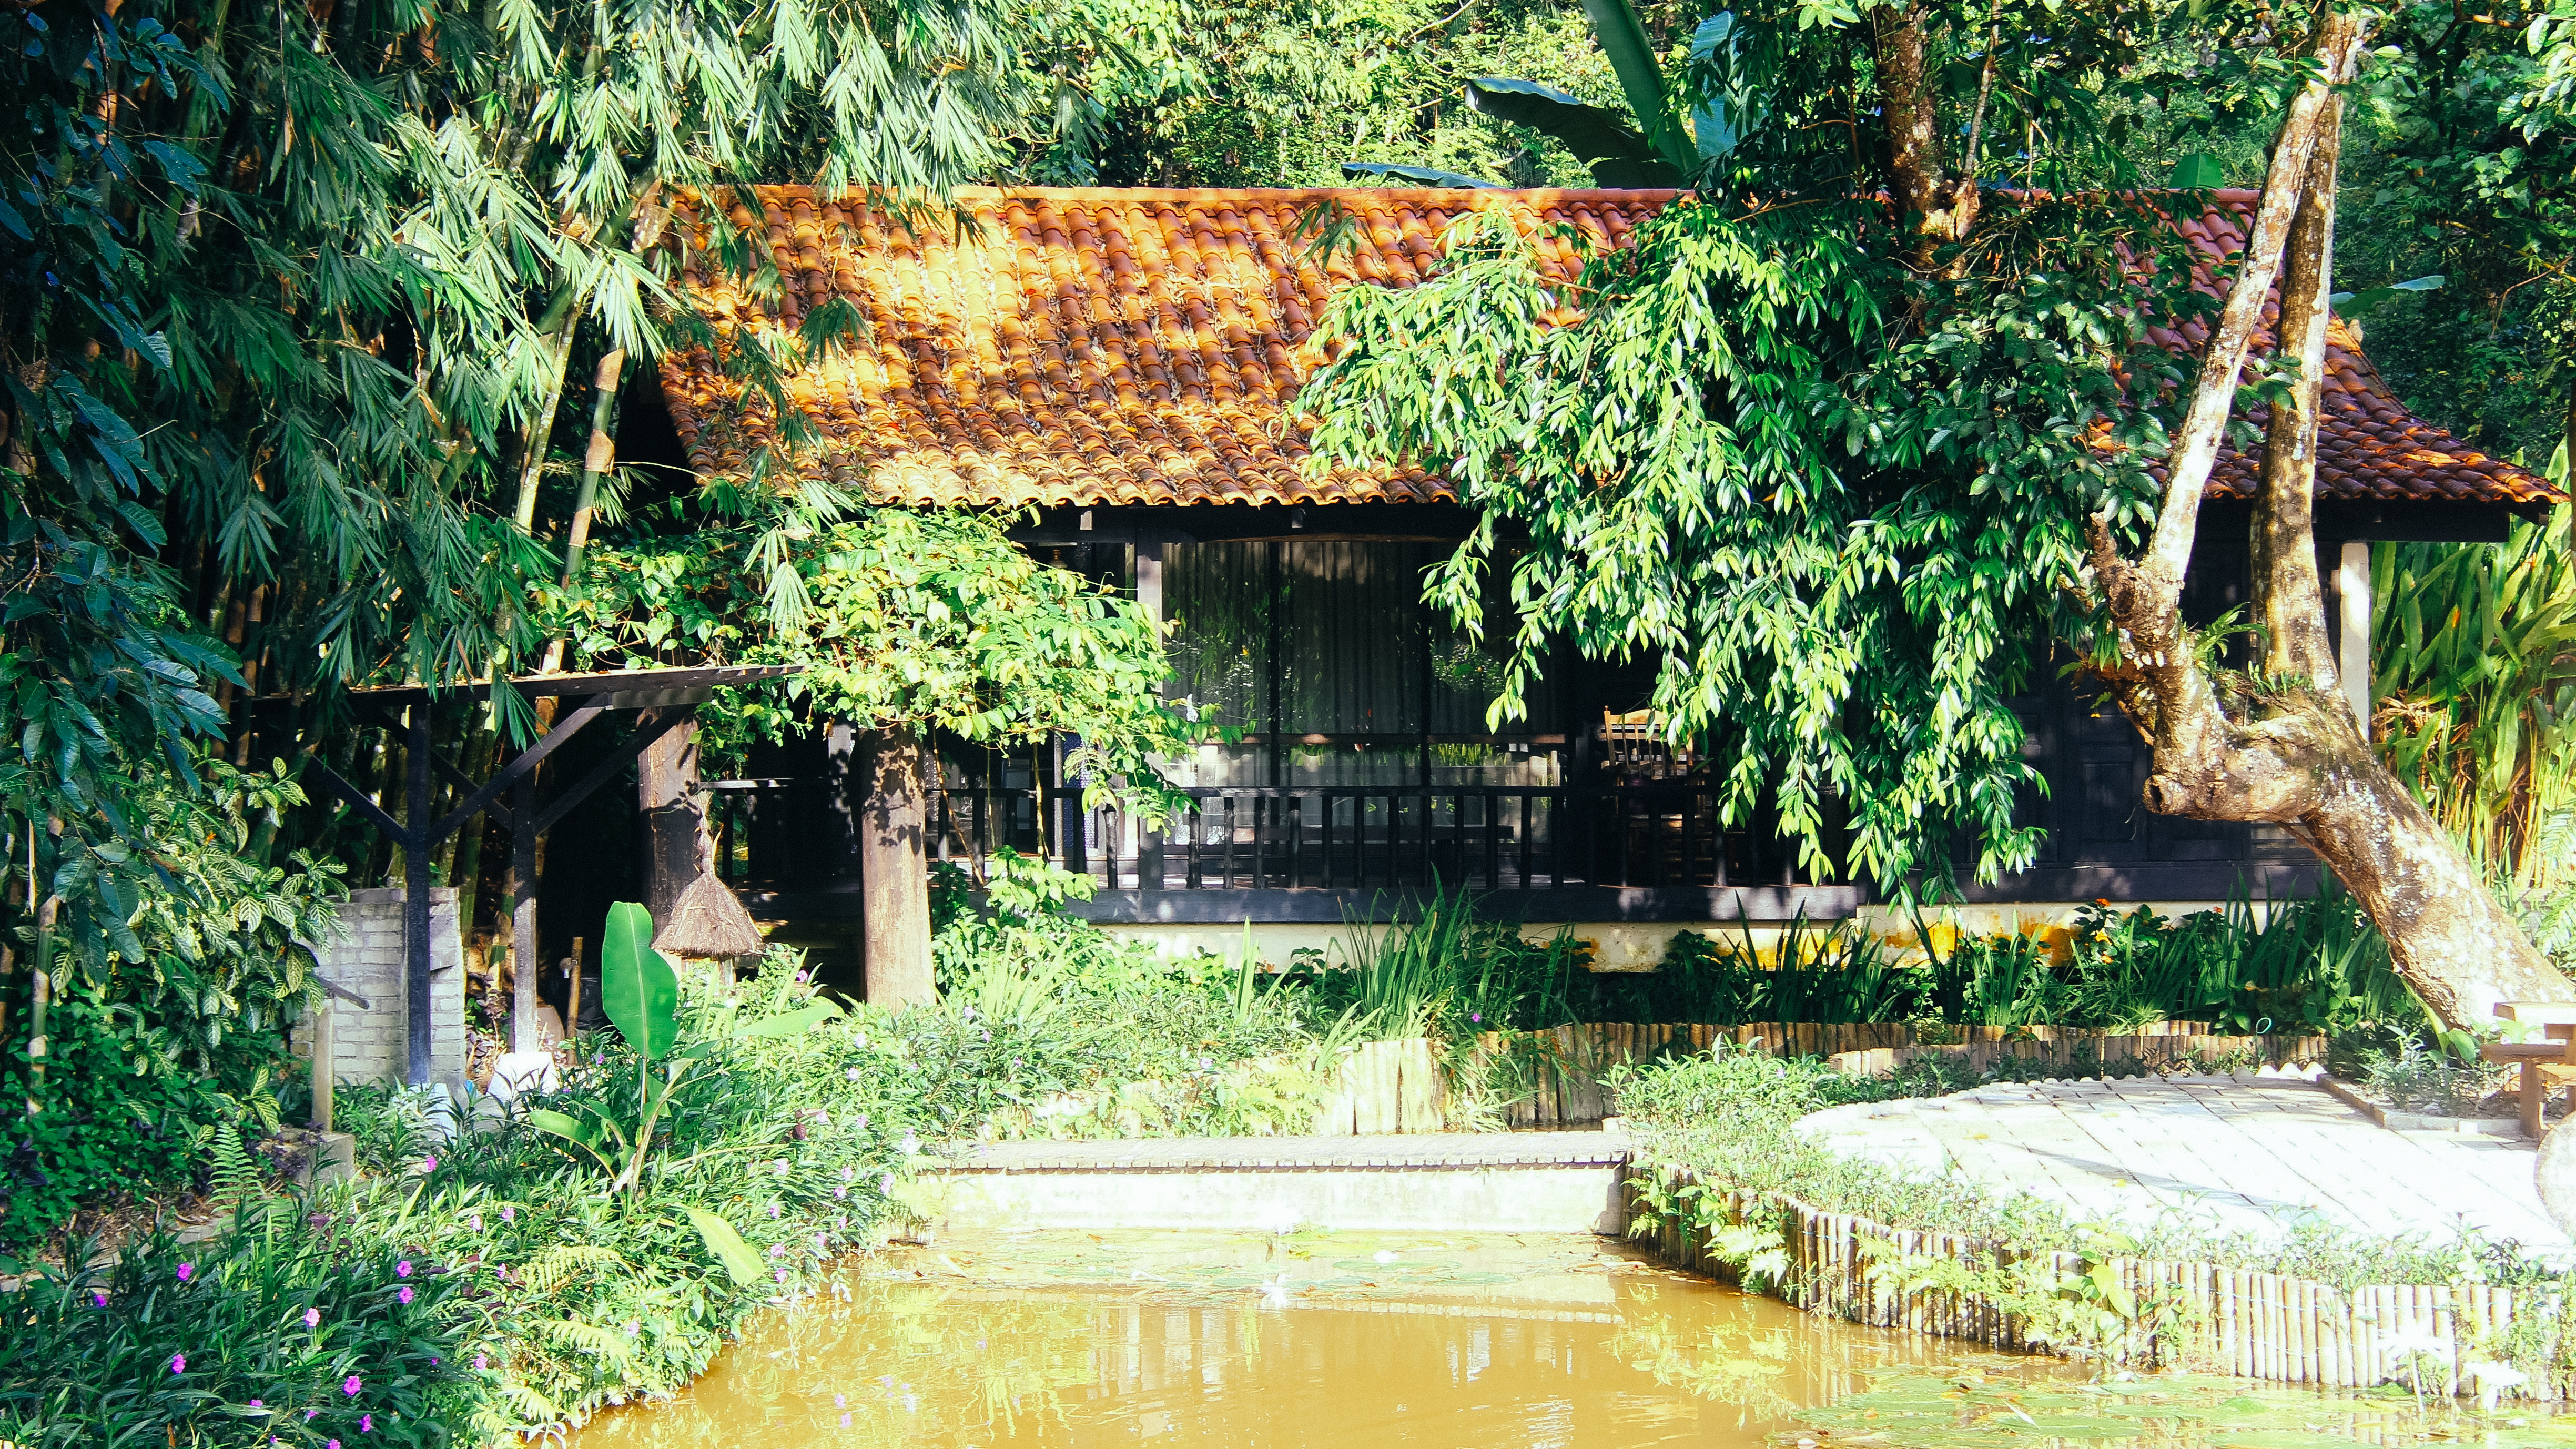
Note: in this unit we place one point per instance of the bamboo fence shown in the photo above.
(1561, 1068)
(2264, 1326)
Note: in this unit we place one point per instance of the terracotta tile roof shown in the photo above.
(1140, 346)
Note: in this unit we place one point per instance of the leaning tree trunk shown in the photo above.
(2281, 744)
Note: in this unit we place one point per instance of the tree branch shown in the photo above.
(2289, 597)
(2158, 580)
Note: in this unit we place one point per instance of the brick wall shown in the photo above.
(372, 1043)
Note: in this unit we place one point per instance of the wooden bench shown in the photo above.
(2540, 1064)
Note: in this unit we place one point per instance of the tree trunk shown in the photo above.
(2280, 744)
(674, 830)
(894, 871)
(1901, 44)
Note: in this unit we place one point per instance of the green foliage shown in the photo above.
(897, 620)
(2461, 162)
(106, 1134)
(1442, 970)
(1739, 459)
(2443, 1080)
(168, 1018)
(1050, 1027)
(573, 1297)
(640, 991)
(133, 1352)
(2473, 654)
(2313, 964)
(1285, 92)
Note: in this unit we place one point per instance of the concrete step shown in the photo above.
(1498, 1182)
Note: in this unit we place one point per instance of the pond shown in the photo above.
(1359, 1340)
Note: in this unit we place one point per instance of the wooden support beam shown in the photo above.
(615, 765)
(526, 761)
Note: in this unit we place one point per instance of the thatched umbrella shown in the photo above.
(709, 923)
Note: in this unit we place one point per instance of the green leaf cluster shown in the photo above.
(1839, 503)
(900, 620)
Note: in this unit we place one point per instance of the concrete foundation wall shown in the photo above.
(372, 1043)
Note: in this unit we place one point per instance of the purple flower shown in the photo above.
(480, 1360)
(97, 1299)
(403, 1268)
(778, 1250)
(313, 1318)
(1475, 1016)
(475, 1222)
(838, 1402)
(178, 1363)
(773, 1210)
(256, 1404)
(509, 1215)
(405, 1295)
(350, 1386)
(800, 977)
(863, 1119)
(335, 1444)
(309, 1413)
(845, 1421)
(848, 1173)
(818, 1242)
(840, 1192)
(429, 1164)
(187, 1271)
(779, 1166)
(366, 1423)
(780, 1274)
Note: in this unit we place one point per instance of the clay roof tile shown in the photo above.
(1143, 346)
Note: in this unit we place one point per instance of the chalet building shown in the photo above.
(1122, 364)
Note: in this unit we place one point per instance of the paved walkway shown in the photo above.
(2251, 1155)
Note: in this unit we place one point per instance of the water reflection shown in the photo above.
(1248, 1342)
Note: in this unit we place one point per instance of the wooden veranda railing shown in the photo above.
(1483, 837)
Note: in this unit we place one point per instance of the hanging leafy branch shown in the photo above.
(918, 621)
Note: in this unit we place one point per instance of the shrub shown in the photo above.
(294, 1327)
(174, 1022)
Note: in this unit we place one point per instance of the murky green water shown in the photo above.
(1357, 1341)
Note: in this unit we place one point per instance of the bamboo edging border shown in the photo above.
(1566, 1062)
(2263, 1326)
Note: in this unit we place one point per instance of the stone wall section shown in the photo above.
(370, 1044)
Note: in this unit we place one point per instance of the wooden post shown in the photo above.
(674, 828)
(1149, 597)
(523, 917)
(422, 1062)
(572, 1017)
(323, 1050)
(894, 874)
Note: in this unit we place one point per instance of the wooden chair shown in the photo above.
(2540, 1065)
(1635, 744)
